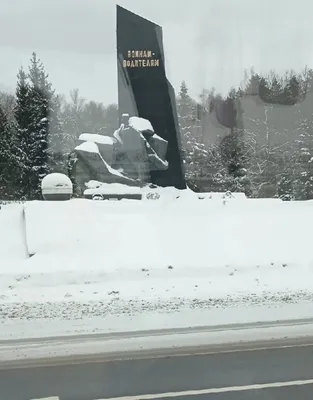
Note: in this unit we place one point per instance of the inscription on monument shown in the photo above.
(141, 59)
(144, 91)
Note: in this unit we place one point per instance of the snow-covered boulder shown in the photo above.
(140, 124)
(128, 157)
(56, 187)
(88, 147)
(100, 139)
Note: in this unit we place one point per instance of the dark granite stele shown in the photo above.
(144, 90)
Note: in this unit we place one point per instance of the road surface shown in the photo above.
(284, 373)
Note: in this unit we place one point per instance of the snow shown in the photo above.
(89, 147)
(167, 193)
(12, 240)
(152, 262)
(95, 187)
(101, 139)
(159, 138)
(56, 180)
(140, 124)
(161, 344)
(152, 321)
(116, 134)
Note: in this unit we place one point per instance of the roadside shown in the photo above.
(205, 372)
(210, 262)
(163, 343)
(32, 320)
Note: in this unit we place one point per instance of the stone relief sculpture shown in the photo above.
(127, 157)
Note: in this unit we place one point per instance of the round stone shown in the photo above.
(56, 187)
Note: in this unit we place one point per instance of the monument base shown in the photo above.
(113, 196)
(57, 197)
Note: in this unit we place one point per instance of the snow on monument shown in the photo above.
(127, 157)
(146, 147)
(56, 187)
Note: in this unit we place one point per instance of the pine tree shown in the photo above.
(252, 87)
(264, 91)
(6, 133)
(7, 102)
(234, 152)
(187, 112)
(302, 174)
(55, 145)
(39, 99)
(38, 146)
(276, 92)
(292, 91)
(195, 153)
(23, 146)
(285, 187)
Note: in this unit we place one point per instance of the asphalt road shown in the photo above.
(276, 373)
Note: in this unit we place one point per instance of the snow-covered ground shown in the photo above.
(127, 265)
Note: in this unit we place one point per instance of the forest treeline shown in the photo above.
(257, 139)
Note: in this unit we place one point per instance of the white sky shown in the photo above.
(207, 42)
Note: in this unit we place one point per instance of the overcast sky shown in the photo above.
(207, 42)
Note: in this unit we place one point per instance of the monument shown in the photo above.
(143, 88)
(146, 147)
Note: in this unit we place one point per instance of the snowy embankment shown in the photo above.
(127, 260)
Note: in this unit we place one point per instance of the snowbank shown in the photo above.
(132, 257)
(191, 234)
(160, 343)
(13, 247)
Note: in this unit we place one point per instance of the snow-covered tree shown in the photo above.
(23, 143)
(188, 117)
(6, 137)
(7, 102)
(302, 161)
(195, 153)
(292, 91)
(251, 86)
(39, 142)
(284, 187)
(48, 124)
(233, 147)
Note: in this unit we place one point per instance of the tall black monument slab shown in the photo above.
(143, 88)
